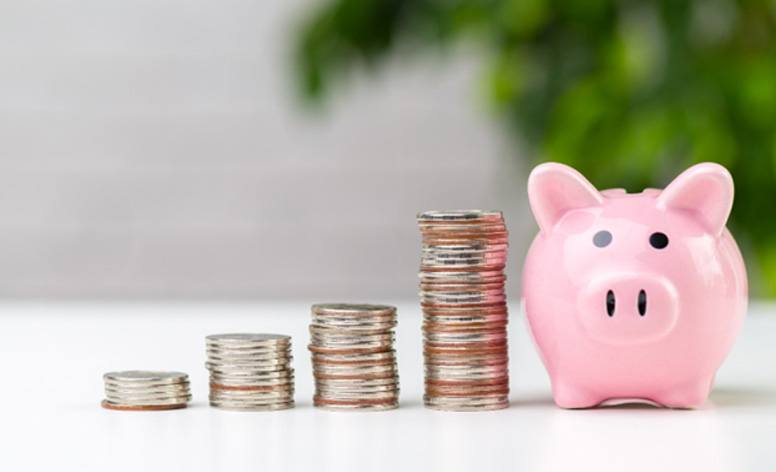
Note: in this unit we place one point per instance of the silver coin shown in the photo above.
(354, 397)
(346, 344)
(249, 363)
(327, 320)
(144, 393)
(246, 406)
(346, 336)
(110, 389)
(240, 405)
(248, 354)
(461, 299)
(145, 376)
(147, 401)
(345, 348)
(261, 377)
(352, 338)
(121, 401)
(442, 289)
(261, 353)
(462, 276)
(264, 384)
(245, 366)
(468, 338)
(466, 404)
(345, 358)
(472, 368)
(361, 371)
(460, 322)
(141, 387)
(360, 381)
(459, 215)
(391, 405)
(352, 325)
(252, 395)
(323, 386)
(248, 338)
(276, 350)
(340, 309)
(252, 399)
(246, 374)
(433, 374)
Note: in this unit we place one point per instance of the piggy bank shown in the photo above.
(633, 296)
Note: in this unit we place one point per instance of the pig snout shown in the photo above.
(628, 308)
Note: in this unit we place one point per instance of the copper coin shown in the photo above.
(105, 404)
(324, 401)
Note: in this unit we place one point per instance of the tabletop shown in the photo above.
(53, 357)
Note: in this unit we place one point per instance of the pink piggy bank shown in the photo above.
(633, 296)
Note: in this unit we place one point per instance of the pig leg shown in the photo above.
(570, 395)
(688, 395)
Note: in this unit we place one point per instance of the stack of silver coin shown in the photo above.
(250, 372)
(146, 390)
(465, 312)
(354, 362)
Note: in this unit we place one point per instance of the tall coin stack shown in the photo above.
(146, 390)
(250, 372)
(465, 312)
(354, 361)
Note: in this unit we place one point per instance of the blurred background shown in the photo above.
(280, 149)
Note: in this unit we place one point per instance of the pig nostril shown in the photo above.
(610, 302)
(642, 303)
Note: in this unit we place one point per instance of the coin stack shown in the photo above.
(354, 362)
(465, 312)
(146, 390)
(250, 372)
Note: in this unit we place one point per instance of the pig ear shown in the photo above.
(705, 190)
(554, 189)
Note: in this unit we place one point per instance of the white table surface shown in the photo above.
(53, 357)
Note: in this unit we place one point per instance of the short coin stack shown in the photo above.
(250, 372)
(354, 361)
(146, 390)
(465, 312)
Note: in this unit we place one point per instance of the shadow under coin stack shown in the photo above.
(465, 312)
(146, 390)
(250, 372)
(354, 361)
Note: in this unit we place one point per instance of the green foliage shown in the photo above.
(628, 92)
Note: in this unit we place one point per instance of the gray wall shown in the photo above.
(155, 149)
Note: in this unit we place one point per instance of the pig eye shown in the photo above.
(602, 238)
(658, 240)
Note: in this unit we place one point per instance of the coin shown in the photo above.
(472, 403)
(250, 371)
(241, 405)
(247, 338)
(112, 406)
(464, 309)
(371, 404)
(354, 364)
(135, 390)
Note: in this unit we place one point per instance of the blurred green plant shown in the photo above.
(628, 92)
